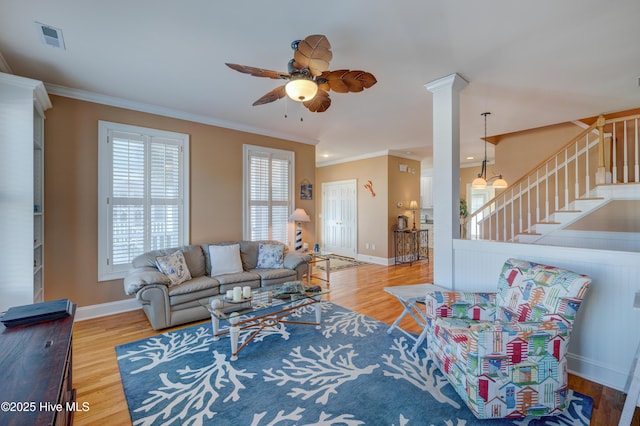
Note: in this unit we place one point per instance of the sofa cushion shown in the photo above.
(270, 274)
(174, 266)
(193, 290)
(192, 254)
(238, 278)
(225, 259)
(270, 256)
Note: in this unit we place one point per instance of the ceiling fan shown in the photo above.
(309, 76)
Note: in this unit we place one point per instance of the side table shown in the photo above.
(316, 257)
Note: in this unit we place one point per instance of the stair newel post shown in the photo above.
(601, 174)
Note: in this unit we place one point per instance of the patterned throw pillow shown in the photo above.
(174, 266)
(270, 256)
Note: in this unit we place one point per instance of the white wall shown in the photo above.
(607, 328)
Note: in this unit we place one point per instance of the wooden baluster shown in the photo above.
(601, 173)
(566, 178)
(546, 191)
(636, 167)
(586, 164)
(625, 166)
(614, 168)
(557, 175)
(577, 193)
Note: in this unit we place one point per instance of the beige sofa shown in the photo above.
(169, 305)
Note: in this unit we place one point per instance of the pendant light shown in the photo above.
(481, 181)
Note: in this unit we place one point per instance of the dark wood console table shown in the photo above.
(35, 361)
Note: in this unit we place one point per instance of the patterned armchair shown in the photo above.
(505, 352)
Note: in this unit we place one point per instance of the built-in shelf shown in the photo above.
(22, 117)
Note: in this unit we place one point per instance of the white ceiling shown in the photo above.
(529, 63)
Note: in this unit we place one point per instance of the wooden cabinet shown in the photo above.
(22, 105)
(36, 365)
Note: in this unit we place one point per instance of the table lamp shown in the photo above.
(299, 215)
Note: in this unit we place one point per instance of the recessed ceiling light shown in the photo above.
(50, 36)
(325, 155)
(469, 158)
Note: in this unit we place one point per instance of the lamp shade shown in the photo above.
(500, 183)
(301, 89)
(413, 205)
(299, 215)
(479, 183)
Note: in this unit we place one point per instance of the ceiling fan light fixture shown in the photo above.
(301, 89)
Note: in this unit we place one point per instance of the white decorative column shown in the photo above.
(446, 174)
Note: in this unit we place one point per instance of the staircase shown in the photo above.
(583, 176)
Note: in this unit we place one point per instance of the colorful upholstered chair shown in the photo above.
(505, 352)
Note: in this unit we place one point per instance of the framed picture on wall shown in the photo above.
(306, 190)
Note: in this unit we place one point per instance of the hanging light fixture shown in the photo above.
(481, 181)
(301, 87)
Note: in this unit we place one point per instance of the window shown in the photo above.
(143, 187)
(268, 193)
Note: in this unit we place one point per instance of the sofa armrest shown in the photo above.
(154, 299)
(459, 304)
(139, 277)
(293, 259)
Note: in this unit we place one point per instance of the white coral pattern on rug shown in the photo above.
(419, 372)
(190, 399)
(322, 371)
(159, 349)
(349, 323)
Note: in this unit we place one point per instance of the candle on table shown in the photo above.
(246, 292)
(237, 294)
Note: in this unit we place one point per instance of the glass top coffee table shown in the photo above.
(267, 307)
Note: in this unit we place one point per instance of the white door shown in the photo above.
(339, 218)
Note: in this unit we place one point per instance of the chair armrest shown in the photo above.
(459, 304)
(140, 277)
(293, 259)
(532, 337)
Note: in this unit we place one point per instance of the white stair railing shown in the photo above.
(592, 157)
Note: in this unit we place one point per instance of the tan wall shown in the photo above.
(375, 214)
(518, 153)
(71, 182)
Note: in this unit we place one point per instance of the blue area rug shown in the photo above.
(351, 372)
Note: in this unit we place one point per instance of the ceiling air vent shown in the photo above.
(50, 36)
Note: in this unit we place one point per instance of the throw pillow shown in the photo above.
(270, 256)
(225, 259)
(175, 267)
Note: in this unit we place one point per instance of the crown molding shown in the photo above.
(98, 98)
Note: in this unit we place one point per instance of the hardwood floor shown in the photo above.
(97, 379)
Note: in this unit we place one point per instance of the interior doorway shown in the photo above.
(339, 217)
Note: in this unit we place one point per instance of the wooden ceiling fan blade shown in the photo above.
(345, 81)
(258, 72)
(272, 96)
(314, 53)
(320, 102)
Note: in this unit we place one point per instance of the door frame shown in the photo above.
(354, 205)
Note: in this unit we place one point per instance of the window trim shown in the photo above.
(105, 271)
(290, 155)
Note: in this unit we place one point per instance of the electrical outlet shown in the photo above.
(366, 246)
(373, 247)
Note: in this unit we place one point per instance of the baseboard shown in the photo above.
(104, 309)
(597, 372)
(374, 259)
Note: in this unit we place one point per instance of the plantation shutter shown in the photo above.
(269, 190)
(145, 197)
